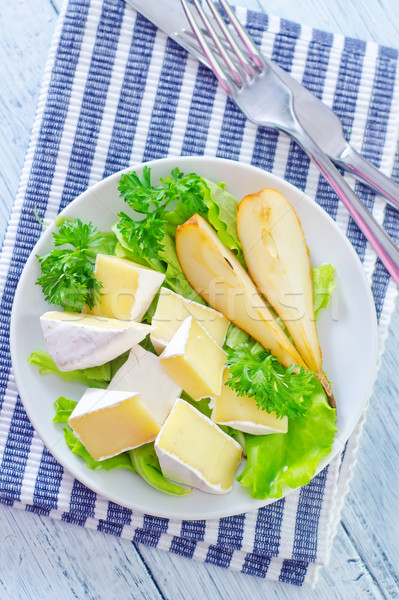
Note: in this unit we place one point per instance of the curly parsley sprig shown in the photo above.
(160, 207)
(257, 374)
(67, 272)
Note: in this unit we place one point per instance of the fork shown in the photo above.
(250, 79)
(317, 118)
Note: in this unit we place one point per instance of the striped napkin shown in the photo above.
(115, 92)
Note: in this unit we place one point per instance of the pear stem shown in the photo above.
(322, 377)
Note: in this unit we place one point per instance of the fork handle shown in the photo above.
(353, 162)
(378, 238)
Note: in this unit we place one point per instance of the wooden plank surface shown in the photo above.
(41, 558)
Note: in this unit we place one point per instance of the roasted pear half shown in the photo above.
(216, 274)
(277, 258)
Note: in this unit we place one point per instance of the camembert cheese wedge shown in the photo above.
(242, 413)
(194, 360)
(143, 373)
(79, 341)
(172, 309)
(128, 289)
(194, 451)
(110, 422)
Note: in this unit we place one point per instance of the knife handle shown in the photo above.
(355, 163)
(375, 234)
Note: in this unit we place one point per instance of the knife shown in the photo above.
(315, 117)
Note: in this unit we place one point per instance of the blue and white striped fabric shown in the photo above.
(116, 92)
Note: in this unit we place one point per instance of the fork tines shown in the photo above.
(233, 66)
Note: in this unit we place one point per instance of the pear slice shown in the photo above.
(277, 257)
(216, 274)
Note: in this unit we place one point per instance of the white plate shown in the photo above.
(347, 332)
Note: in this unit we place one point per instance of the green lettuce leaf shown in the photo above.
(63, 409)
(174, 276)
(323, 286)
(222, 215)
(146, 463)
(236, 337)
(97, 377)
(121, 251)
(201, 405)
(290, 459)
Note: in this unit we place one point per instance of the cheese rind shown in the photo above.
(143, 373)
(194, 360)
(172, 309)
(110, 422)
(242, 413)
(192, 450)
(80, 341)
(127, 288)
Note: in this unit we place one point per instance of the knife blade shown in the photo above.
(320, 122)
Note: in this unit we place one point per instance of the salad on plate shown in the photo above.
(192, 326)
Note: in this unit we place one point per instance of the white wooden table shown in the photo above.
(43, 559)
